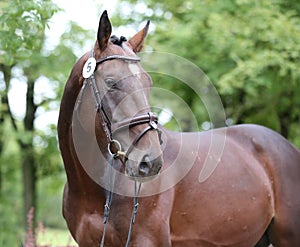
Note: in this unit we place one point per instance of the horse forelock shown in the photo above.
(116, 45)
(122, 43)
(117, 41)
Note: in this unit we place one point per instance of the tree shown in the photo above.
(22, 48)
(22, 25)
(249, 50)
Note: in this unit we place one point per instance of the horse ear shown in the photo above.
(137, 40)
(104, 30)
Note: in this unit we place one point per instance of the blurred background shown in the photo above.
(249, 49)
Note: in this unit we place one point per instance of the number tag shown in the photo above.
(89, 67)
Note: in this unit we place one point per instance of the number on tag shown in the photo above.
(89, 67)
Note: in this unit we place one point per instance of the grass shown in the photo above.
(55, 238)
(46, 237)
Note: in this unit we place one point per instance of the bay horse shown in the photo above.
(250, 199)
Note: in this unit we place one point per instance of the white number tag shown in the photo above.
(89, 67)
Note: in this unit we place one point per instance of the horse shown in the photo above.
(116, 156)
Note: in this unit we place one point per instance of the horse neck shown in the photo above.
(77, 177)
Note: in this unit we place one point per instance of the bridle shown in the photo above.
(109, 128)
(114, 147)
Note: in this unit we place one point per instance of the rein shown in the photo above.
(109, 194)
(109, 129)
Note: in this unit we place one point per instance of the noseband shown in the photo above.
(114, 146)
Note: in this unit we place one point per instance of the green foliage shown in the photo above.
(23, 49)
(10, 200)
(249, 49)
(50, 200)
(21, 28)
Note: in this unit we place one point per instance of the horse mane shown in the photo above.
(116, 40)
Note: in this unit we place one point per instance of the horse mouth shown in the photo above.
(145, 170)
(142, 179)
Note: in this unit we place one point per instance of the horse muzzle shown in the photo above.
(144, 170)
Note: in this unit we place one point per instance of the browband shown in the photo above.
(112, 57)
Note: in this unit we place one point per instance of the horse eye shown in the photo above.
(110, 82)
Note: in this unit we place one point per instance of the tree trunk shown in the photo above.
(4, 111)
(25, 140)
(28, 157)
(29, 181)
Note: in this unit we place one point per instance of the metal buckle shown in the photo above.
(118, 146)
(152, 120)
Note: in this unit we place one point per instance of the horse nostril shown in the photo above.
(144, 168)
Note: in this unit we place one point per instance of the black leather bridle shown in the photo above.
(110, 129)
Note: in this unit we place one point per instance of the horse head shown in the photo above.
(123, 87)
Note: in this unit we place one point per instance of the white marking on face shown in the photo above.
(145, 99)
(135, 70)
